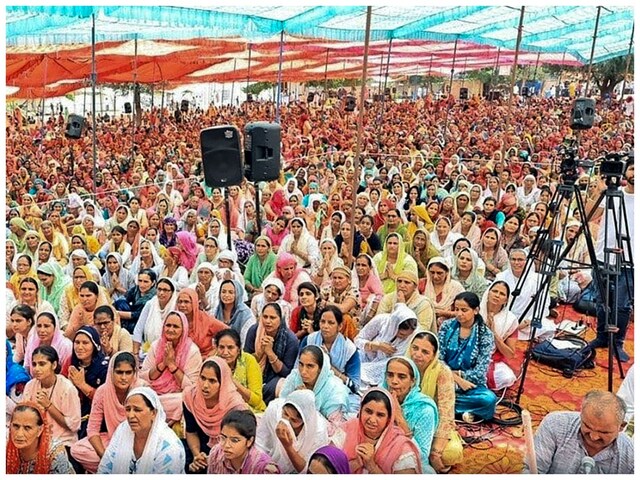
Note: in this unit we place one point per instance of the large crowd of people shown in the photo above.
(150, 331)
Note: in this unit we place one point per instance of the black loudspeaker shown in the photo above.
(221, 159)
(262, 151)
(184, 106)
(350, 104)
(464, 93)
(525, 92)
(74, 126)
(249, 97)
(127, 107)
(310, 97)
(582, 113)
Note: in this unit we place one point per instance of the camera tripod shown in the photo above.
(548, 253)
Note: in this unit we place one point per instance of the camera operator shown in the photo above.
(624, 288)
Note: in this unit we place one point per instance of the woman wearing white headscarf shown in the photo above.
(221, 235)
(494, 308)
(144, 443)
(272, 292)
(300, 243)
(149, 325)
(117, 282)
(291, 188)
(443, 237)
(140, 263)
(322, 267)
(385, 335)
(294, 421)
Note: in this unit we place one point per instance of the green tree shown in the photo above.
(258, 87)
(606, 75)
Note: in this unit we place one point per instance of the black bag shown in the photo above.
(567, 360)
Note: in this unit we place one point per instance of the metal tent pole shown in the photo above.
(513, 78)
(279, 86)
(356, 161)
(593, 48)
(626, 69)
(94, 78)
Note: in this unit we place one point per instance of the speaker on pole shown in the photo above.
(127, 107)
(262, 151)
(582, 113)
(75, 123)
(350, 104)
(184, 106)
(221, 158)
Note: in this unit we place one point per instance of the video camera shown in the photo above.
(569, 163)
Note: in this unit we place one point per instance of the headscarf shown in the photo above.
(156, 315)
(256, 271)
(284, 259)
(475, 282)
(429, 382)
(201, 322)
(331, 394)
(159, 433)
(279, 341)
(62, 344)
(450, 289)
(380, 261)
(391, 444)
(60, 282)
(312, 436)
(241, 314)
(166, 381)
(422, 214)
(210, 419)
(504, 322)
(114, 412)
(336, 458)
(189, 251)
(17, 278)
(417, 407)
(43, 460)
(96, 372)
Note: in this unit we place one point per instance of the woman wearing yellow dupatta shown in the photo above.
(93, 245)
(392, 260)
(437, 383)
(421, 250)
(24, 269)
(421, 212)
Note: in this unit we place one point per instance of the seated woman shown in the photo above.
(173, 363)
(291, 429)
(345, 360)
(300, 243)
(305, 317)
(88, 370)
(204, 405)
(24, 269)
(202, 326)
(149, 326)
(314, 373)
(144, 443)
(82, 314)
(392, 260)
(107, 410)
(239, 429)
(291, 275)
(272, 291)
(116, 243)
(384, 336)
(260, 265)
(53, 282)
(491, 252)
(116, 279)
(468, 227)
(328, 460)
(322, 267)
(467, 271)
(417, 414)
(22, 320)
(130, 307)
(437, 383)
(71, 295)
(374, 444)
(274, 346)
(55, 394)
(247, 376)
(494, 308)
(441, 289)
(421, 250)
(341, 293)
(442, 237)
(368, 282)
(30, 448)
(47, 332)
(466, 346)
(172, 268)
(231, 310)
